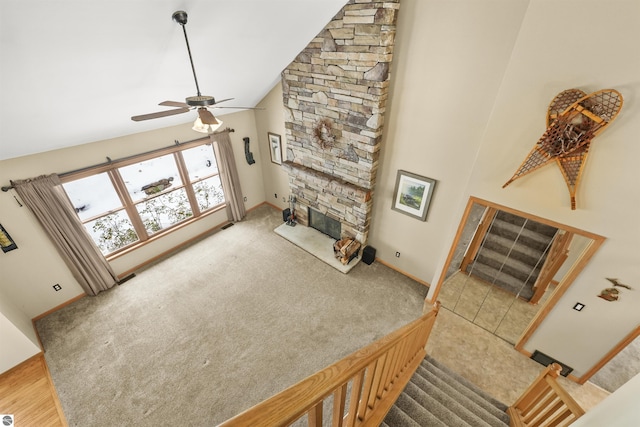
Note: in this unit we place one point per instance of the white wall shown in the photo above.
(620, 409)
(17, 336)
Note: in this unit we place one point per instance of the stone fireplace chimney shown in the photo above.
(335, 95)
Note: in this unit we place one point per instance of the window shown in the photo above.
(127, 202)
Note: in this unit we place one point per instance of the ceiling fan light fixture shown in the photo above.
(198, 126)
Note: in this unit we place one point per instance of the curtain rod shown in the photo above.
(176, 142)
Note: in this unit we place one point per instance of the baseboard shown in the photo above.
(58, 307)
(48, 312)
(404, 273)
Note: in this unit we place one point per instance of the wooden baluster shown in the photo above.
(354, 399)
(315, 415)
(362, 409)
(339, 398)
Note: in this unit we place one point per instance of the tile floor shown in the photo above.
(489, 307)
(492, 363)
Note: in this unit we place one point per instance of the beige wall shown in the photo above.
(471, 85)
(29, 272)
(271, 119)
(18, 338)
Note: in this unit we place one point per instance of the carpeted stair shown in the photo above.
(436, 396)
(512, 253)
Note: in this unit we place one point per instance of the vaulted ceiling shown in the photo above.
(75, 71)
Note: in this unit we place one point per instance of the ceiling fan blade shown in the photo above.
(174, 104)
(206, 117)
(242, 108)
(224, 100)
(159, 114)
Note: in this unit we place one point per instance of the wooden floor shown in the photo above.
(27, 393)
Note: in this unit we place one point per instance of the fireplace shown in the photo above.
(335, 96)
(327, 225)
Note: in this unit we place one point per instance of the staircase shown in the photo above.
(436, 396)
(393, 383)
(512, 253)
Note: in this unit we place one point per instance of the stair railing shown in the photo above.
(545, 403)
(360, 389)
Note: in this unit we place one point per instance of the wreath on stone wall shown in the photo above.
(323, 134)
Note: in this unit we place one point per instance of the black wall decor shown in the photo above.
(6, 242)
(248, 154)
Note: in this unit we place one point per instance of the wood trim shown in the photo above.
(456, 239)
(558, 254)
(560, 290)
(176, 248)
(111, 164)
(404, 273)
(57, 307)
(543, 399)
(563, 285)
(478, 237)
(536, 218)
(54, 393)
(610, 355)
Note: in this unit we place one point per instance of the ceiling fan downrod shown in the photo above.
(180, 17)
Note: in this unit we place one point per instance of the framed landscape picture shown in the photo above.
(275, 148)
(412, 194)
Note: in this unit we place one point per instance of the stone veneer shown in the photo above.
(342, 76)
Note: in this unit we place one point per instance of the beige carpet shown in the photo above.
(216, 328)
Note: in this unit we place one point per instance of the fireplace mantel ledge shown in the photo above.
(329, 178)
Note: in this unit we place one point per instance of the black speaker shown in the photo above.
(285, 214)
(368, 255)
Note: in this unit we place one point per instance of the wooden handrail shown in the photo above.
(371, 379)
(545, 403)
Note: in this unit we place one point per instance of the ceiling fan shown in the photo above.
(206, 121)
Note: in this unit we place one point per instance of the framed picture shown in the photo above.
(275, 148)
(6, 242)
(412, 194)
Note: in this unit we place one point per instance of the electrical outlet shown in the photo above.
(578, 307)
(57, 287)
(397, 254)
(245, 198)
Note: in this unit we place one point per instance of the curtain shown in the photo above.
(229, 176)
(46, 198)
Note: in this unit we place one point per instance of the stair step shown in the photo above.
(508, 265)
(436, 396)
(409, 413)
(528, 223)
(527, 237)
(430, 362)
(501, 280)
(515, 250)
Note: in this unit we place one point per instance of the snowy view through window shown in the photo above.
(154, 189)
